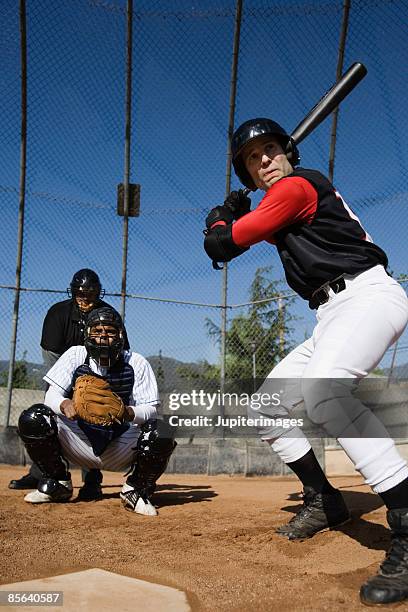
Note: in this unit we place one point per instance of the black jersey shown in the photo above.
(317, 236)
(333, 243)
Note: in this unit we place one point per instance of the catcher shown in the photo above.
(63, 327)
(100, 411)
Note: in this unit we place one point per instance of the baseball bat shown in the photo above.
(327, 103)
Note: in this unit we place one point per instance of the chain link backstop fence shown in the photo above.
(182, 57)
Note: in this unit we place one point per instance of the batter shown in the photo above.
(332, 262)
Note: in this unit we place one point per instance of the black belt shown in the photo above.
(321, 295)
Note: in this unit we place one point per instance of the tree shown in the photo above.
(21, 378)
(264, 333)
(200, 372)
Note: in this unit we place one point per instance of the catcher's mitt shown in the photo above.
(95, 402)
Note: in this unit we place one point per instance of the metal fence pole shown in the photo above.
(391, 371)
(128, 130)
(340, 60)
(281, 310)
(233, 91)
(253, 349)
(22, 189)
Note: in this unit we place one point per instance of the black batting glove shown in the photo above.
(238, 203)
(219, 213)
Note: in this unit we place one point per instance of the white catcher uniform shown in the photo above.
(75, 445)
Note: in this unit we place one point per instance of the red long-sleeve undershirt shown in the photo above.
(290, 200)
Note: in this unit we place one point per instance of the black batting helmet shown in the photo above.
(104, 354)
(252, 129)
(83, 281)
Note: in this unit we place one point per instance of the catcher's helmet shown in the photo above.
(84, 281)
(105, 354)
(252, 129)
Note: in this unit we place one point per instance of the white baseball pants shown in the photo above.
(354, 329)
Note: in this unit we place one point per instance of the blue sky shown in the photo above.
(182, 61)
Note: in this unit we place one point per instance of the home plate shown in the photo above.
(93, 589)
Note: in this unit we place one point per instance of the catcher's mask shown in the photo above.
(86, 288)
(251, 129)
(104, 339)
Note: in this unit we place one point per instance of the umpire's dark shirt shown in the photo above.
(64, 326)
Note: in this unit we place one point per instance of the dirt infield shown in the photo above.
(214, 538)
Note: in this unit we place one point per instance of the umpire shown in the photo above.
(63, 327)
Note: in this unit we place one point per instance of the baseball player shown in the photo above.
(330, 261)
(63, 327)
(54, 435)
(64, 323)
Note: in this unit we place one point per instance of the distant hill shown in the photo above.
(169, 380)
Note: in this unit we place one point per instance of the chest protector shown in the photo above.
(121, 378)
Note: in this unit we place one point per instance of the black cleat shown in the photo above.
(320, 511)
(25, 482)
(390, 585)
(91, 490)
(50, 490)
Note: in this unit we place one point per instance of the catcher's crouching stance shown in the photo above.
(99, 412)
